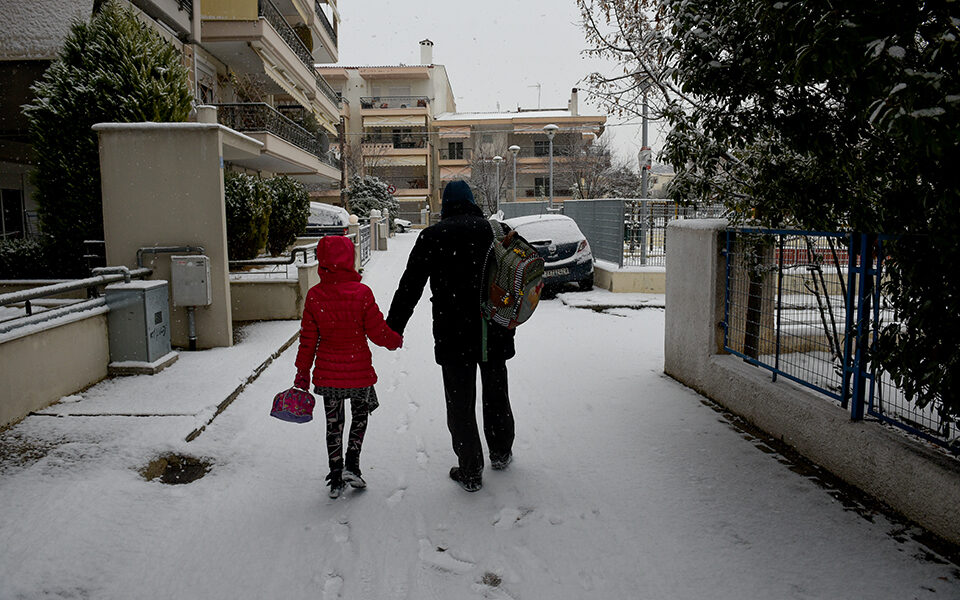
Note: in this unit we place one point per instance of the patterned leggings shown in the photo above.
(334, 400)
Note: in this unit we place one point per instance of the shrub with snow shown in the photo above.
(289, 213)
(248, 202)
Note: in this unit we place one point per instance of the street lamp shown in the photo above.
(497, 160)
(551, 130)
(514, 150)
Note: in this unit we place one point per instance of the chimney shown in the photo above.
(426, 52)
(574, 104)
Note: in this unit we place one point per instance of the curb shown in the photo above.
(236, 392)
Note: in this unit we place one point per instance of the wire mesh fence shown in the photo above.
(645, 228)
(805, 305)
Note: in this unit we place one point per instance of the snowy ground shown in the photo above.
(625, 485)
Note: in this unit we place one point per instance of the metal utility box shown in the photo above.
(190, 275)
(138, 321)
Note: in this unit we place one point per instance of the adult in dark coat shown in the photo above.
(452, 254)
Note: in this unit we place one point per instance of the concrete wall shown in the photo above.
(267, 299)
(163, 186)
(41, 364)
(648, 280)
(917, 481)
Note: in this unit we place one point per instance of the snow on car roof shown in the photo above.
(557, 229)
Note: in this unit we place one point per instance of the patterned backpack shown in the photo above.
(513, 280)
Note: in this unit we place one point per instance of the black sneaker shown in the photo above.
(352, 476)
(471, 484)
(499, 463)
(335, 481)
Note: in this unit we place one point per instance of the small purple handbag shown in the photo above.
(293, 405)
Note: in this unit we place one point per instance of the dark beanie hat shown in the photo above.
(456, 192)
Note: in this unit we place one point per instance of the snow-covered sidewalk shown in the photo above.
(625, 485)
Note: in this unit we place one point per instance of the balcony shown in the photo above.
(390, 142)
(287, 147)
(393, 102)
(253, 37)
(328, 35)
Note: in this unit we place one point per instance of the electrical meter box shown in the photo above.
(190, 275)
(139, 321)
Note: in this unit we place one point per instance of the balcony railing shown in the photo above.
(397, 142)
(394, 101)
(258, 116)
(325, 22)
(267, 10)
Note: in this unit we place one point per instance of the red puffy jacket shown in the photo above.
(339, 315)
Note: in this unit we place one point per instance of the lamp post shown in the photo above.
(497, 160)
(514, 150)
(551, 130)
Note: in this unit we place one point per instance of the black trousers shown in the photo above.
(460, 389)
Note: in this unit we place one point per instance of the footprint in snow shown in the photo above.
(395, 498)
(439, 558)
(332, 587)
(511, 517)
(341, 531)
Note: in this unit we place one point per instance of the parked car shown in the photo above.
(401, 225)
(327, 219)
(565, 250)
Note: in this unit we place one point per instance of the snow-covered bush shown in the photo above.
(368, 193)
(30, 258)
(289, 213)
(112, 69)
(248, 202)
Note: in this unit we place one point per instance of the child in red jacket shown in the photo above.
(339, 314)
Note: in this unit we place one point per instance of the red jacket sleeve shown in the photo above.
(376, 327)
(307, 352)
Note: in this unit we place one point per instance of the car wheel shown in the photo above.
(586, 284)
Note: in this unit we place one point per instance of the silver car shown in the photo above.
(565, 250)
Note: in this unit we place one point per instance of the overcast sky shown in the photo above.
(494, 51)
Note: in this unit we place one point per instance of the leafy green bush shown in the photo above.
(248, 202)
(112, 69)
(288, 216)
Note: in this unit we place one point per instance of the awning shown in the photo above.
(410, 199)
(396, 121)
(414, 160)
(454, 132)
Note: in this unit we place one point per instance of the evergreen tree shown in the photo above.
(248, 201)
(367, 193)
(112, 69)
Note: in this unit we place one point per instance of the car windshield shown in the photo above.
(555, 231)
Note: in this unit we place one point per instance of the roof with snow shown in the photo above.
(552, 113)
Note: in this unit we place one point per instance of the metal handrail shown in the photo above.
(325, 21)
(259, 116)
(269, 11)
(69, 286)
(289, 260)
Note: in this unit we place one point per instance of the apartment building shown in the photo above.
(469, 141)
(252, 59)
(388, 125)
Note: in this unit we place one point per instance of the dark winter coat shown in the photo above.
(339, 314)
(451, 255)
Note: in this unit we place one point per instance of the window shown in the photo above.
(541, 148)
(455, 150)
(402, 138)
(541, 186)
(11, 214)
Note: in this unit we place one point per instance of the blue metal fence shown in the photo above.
(806, 305)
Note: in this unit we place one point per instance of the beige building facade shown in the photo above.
(388, 130)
